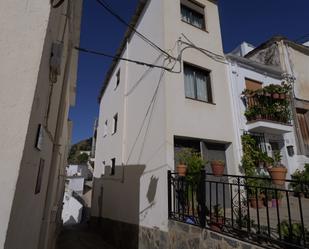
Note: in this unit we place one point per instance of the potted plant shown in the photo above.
(300, 181)
(278, 171)
(293, 234)
(254, 188)
(276, 200)
(217, 219)
(181, 159)
(217, 167)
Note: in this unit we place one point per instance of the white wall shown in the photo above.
(145, 143)
(24, 103)
(237, 75)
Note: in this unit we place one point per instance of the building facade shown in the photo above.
(293, 59)
(146, 114)
(273, 134)
(38, 72)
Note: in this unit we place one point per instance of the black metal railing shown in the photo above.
(267, 109)
(248, 208)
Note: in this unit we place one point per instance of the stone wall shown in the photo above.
(180, 236)
(184, 236)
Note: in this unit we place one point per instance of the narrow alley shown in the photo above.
(81, 236)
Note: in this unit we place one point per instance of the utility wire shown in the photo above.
(124, 59)
(122, 20)
(56, 5)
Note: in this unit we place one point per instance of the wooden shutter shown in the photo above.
(303, 122)
(253, 85)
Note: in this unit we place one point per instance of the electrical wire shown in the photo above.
(124, 59)
(122, 20)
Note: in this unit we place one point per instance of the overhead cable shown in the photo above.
(123, 59)
(122, 20)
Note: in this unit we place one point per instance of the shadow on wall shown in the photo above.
(116, 200)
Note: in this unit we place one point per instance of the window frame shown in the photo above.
(117, 79)
(115, 124)
(105, 128)
(113, 166)
(186, 4)
(210, 96)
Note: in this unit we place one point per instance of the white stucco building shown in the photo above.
(147, 113)
(271, 135)
(293, 59)
(38, 76)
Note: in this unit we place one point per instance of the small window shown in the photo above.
(193, 14)
(253, 85)
(197, 84)
(117, 79)
(113, 166)
(115, 123)
(105, 129)
(39, 177)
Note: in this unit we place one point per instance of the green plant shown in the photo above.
(251, 154)
(300, 184)
(218, 210)
(194, 162)
(277, 159)
(82, 158)
(293, 233)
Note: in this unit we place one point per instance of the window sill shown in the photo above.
(203, 29)
(211, 103)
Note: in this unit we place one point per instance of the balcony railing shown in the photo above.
(248, 208)
(265, 108)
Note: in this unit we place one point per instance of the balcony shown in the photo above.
(249, 208)
(268, 111)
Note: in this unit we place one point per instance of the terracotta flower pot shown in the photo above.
(216, 225)
(282, 96)
(278, 175)
(256, 203)
(275, 95)
(274, 202)
(217, 168)
(181, 169)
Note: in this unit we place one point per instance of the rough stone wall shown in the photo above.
(180, 236)
(183, 236)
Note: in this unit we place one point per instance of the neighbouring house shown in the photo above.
(293, 59)
(72, 212)
(268, 120)
(146, 114)
(38, 80)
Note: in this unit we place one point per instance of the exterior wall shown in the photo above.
(192, 118)
(151, 109)
(19, 74)
(26, 68)
(237, 76)
(140, 136)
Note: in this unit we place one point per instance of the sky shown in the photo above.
(252, 21)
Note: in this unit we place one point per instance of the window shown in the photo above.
(197, 83)
(253, 85)
(113, 160)
(192, 13)
(115, 123)
(117, 79)
(39, 177)
(105, 129)
(303, 134)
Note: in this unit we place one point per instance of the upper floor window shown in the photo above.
(113, 166)
(193, 14)
(105, 129)
(253, 85)
(117, 79)
(197, 83)
(115, 123)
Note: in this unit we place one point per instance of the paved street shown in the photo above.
(81, 237)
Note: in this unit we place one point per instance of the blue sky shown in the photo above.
(253, 21)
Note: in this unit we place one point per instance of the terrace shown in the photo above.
(253, 209)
